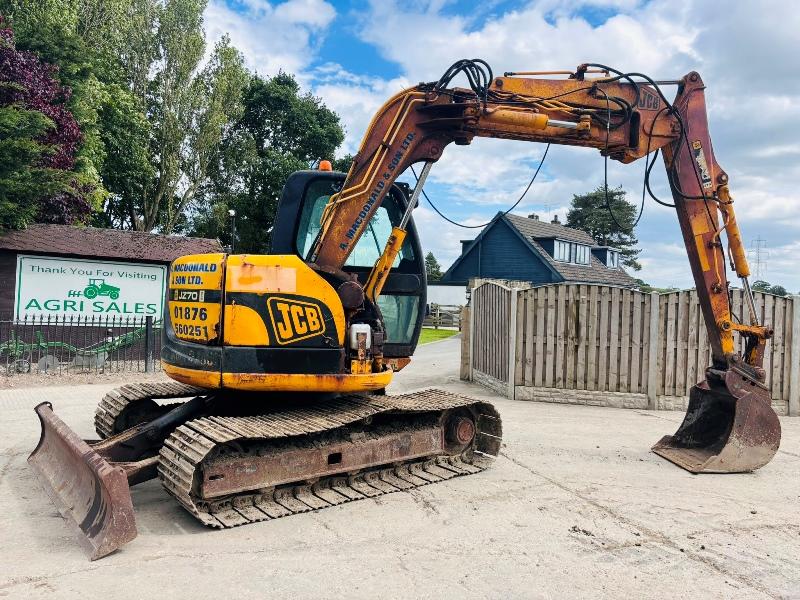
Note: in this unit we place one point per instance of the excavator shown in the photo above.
(279, 362)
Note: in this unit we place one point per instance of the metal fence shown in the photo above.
(648, 349)
(49, 345)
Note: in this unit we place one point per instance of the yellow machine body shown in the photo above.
(260, 323)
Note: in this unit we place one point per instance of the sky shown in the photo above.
(355, 54)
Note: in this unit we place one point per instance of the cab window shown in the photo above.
(372, 242)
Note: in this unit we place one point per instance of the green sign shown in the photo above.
(63, 288)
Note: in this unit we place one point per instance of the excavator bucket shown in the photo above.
(729, 427)
(90, 493)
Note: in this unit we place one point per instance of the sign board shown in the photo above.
(63, 288)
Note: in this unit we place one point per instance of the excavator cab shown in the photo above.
(402, 300)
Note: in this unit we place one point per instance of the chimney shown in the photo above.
(533, 216)
(555, 220)
(465, 244)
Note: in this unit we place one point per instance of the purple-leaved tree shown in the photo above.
(39, 141)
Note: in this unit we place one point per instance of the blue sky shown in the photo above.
(354, 54)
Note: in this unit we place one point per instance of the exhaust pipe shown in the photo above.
(90, 493)
(729, 427)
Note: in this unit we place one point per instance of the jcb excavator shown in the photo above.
(280, 361)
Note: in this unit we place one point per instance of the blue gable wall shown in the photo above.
(502, 255)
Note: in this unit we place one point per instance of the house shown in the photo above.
(527, 249)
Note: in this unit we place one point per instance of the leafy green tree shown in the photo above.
(432, 267)
(589, 213)
(342, 164)
(152, 116)
(83, 39)
(193, 113)
(127, 170)
(38, 142)
(647, 288)
(281, 130)
(764, 286)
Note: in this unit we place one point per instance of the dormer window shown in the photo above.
(612, 261)
(571, 252)
(610, 257)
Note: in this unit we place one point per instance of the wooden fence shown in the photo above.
(600, 339)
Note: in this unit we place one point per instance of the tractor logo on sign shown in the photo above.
(95, 288)
(293, 320)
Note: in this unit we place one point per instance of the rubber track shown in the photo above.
(118, 399)
(183, 452)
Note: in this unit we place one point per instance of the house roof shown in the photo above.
(534, 228)
(531, 230)
(594, 272)
(104, 243)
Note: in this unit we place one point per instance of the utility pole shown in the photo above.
(758, 257)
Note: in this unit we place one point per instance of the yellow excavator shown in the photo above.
(279, 362)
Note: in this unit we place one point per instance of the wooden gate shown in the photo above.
(493, 319)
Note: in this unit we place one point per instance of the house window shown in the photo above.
(571, 253)
(613, 259)
(561, 251)
(580, 254)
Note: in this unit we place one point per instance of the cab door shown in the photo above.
(402, 301)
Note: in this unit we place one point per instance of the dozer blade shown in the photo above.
(729, 427)
(91, 494)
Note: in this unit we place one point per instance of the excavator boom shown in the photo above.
(730, 425)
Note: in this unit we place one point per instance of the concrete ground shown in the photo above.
(575, 507)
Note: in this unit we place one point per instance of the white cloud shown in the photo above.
(272, 36)
(744, 50)
(354, 98)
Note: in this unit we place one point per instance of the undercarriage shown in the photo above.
(229, 464)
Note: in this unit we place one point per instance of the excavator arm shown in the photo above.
(730, 425)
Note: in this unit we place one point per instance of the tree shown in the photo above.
(188, 110)
(86, 39)
(647, 288)
(764, 286)
(82, 38)
(39, 138)
(432, 267)
(152, 117)
(590, 213)
(281, 130)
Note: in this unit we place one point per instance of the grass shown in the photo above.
(429, 334)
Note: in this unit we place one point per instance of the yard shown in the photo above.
(575, 506)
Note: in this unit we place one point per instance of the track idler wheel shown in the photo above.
(459, 430)
(729, 427)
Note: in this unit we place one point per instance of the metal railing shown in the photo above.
(79, 344)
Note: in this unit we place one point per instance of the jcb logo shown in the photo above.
(648, 100)
(293, 320)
